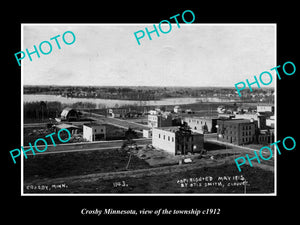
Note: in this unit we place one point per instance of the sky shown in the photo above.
(109, 55)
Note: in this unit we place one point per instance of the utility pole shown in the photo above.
(128, 161)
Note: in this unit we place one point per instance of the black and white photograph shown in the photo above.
(106, 115)
(152, 112)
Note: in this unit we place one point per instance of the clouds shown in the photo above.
(194, 55)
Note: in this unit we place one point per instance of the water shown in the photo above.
(108, 103)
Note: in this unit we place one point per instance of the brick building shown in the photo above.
(237, 131)
(159, 120)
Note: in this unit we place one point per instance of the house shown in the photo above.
(94, 132)
(177, 109)
(202, 124)
(237, 131)
(170, 140)
(69, 114)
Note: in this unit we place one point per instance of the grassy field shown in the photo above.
(79, 163)
(47, 169)
(259, 181)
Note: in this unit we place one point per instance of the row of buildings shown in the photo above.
(238, 128)
(179, 133)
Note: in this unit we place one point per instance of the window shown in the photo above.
(95, 130)
(168, 138)
(197, 121)
(164, 137)
(172, 139)
(158, 135)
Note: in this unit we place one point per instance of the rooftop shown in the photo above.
(65, 126)
(93, 124)
(237, 121)
(171, 129)
(201, 117)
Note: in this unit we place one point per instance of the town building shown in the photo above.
(201, 124)
(177, 109)
(147, 133)
(265, 108)
(270, 122)
(169, 139)
(69, 114)
(160, 120)
(237, 131)
(266, 137)
(260, 118)
(117, 112)
(94, 132)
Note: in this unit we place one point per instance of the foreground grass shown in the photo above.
(258, 181)
(79, 163)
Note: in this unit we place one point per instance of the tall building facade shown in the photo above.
(237, 131)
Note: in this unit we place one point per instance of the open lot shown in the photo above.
(258, 181)
(79, 163)
(149, 171)
(33, 133)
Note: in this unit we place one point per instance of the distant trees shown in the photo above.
(41, 110)
(150, 93)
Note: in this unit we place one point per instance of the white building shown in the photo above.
(165, 138)
(270, 122)
(94, 132)
(177, 109)
(265, 108)
(147, 133)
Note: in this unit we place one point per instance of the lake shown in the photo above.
(109, 103)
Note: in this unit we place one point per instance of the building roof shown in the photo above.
(93, 124)
(237, 121)
(202, 117)
(65, 126)
(172, 129)
(65, 111)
